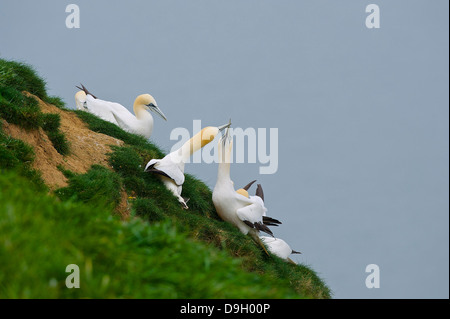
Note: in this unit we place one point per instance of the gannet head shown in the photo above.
(80, 100)
(210, 132)
(147, 102)
(243, 192)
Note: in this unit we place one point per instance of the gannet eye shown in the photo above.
(151, 105)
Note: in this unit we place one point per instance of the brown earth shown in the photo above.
(86, 148)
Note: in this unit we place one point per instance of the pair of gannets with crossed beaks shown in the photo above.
(247, 213)
(276, 246)
(170, 169)
(141, 123)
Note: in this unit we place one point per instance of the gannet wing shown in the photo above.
(252, 216)
(100, 108)
(166, 168)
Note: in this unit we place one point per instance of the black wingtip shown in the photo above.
(295, 252)
(246, 187)
(271, 221)
(259, 191)
(263, 228)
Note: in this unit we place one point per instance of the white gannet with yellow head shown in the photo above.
(141, 123)
(235, 207)
(171, 168)
(279, 247)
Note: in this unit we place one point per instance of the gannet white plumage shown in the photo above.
(141, 123)
(171, 168)
(236, 208)
(279, 247)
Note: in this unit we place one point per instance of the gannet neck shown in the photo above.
(199, 140)
(224, 162)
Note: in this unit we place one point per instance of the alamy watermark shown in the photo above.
(373, 19)
(73, 280)
(373, 279)
(251, 145)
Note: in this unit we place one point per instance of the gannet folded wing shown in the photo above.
(100, 108)
(166, 168)
(252, 215)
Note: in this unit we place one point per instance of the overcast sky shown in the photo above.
(362, 114)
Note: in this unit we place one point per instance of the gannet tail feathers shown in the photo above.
(83, 88)
(269, 221)
(259, 226)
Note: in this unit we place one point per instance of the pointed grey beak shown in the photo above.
(226, 137)
(221, 128)
(156, 109)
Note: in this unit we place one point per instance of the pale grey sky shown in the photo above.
(362, 113)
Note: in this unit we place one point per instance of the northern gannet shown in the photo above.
(279, 247)
(141, 123)
(244, 213)
(171, 168)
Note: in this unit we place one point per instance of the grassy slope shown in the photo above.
(157, 254)
(40, 236)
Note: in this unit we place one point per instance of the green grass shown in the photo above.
(98, 125)
(17, 108)
(18, 156)
(23, 77)
(50, 124)
(99, 187)
(40, 236)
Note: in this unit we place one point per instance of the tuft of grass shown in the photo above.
(50, 124)
(22, 77)
(22, 110)
(56, 101)
(19, 109)
(99, 187)
(40, 236)
(18, 156)
(59, 142)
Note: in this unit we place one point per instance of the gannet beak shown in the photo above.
(156, 109)
(221, 128)
(226, 137)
